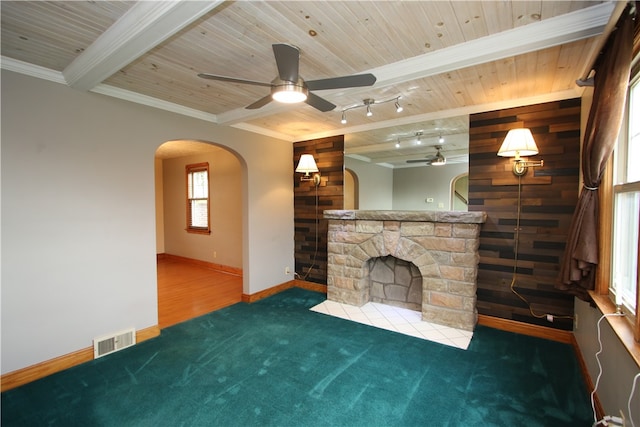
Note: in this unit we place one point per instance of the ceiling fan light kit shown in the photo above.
(440, 160)
(290, 88)
(288, 92)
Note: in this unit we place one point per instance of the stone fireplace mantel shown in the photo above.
(443, 246)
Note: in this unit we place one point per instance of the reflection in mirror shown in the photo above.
(460, 193)
(350, 190)
(396, 166)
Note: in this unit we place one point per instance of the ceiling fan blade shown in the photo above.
(232, 79)
(288, 61)
(319, 103)
(425, 160)
(357, 80)
(259, 103)
(420, 161)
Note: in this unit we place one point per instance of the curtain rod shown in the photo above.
(587, 80)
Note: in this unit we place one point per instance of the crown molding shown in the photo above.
(153, 102)
(262, 131)
(31, 70)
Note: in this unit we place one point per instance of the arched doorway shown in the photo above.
(351, 190)
(197, 271)
(460, 192)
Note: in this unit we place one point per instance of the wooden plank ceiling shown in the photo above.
(444, 59)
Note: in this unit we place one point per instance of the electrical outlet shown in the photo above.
(549, 318)
(287, 270)
(215, 254)
(429, 200)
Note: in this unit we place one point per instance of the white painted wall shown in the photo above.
(78, 214)
(159, 186)
(618, 368)
(224, 244)
(375, 184)
(413, 186)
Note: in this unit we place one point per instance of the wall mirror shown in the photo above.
(400, 167)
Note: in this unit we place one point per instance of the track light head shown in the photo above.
(368, 102)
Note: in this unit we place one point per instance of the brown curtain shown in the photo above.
(577, 271)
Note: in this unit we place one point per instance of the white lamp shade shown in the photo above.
(519, 142)
(307, 165)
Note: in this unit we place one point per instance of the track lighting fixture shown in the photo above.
(416, 139)
(368, 102)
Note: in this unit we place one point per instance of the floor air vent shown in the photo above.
(111, 343)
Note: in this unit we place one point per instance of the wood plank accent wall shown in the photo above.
(549, 196)
(311, 263)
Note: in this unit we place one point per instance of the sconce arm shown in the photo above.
(520, 166)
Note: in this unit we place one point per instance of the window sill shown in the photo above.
(620, 325)
(196, 231)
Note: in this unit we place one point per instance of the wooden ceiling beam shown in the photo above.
(143, 27)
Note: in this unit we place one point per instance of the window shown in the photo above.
(623, 287)
(198, 198)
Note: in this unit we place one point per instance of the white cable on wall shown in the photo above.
(595, 388)
(633, 389)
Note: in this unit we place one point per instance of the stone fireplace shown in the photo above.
(442, 246)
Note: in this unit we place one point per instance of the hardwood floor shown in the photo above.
(187, 290)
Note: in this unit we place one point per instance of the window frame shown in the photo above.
(190, 169)
(612, 185)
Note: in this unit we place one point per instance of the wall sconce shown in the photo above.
(307, 166)
(367, 103)
(520, 142)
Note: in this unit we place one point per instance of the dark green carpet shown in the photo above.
(276, 363)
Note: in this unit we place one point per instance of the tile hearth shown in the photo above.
(397, 319)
